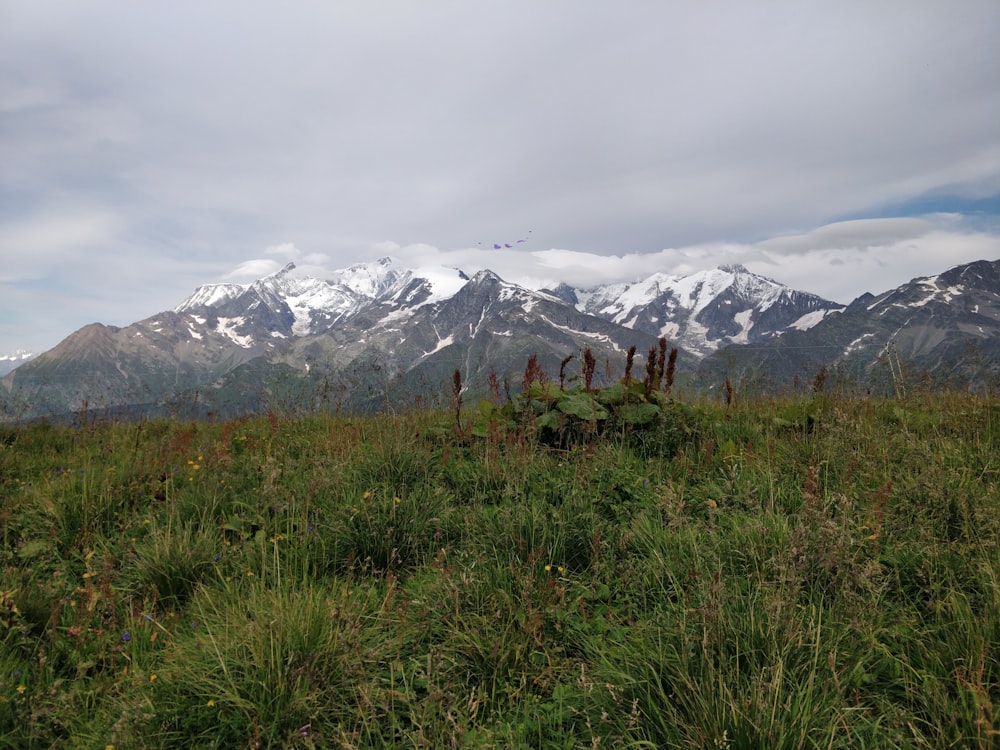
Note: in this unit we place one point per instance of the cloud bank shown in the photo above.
(149, 147)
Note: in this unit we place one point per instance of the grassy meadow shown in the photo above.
(800, 572)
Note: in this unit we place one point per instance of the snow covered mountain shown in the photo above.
(940, 329)
(698, 313)
(708, 309)
(377, 333)
(286, 305)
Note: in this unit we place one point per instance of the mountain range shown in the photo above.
(379, 335)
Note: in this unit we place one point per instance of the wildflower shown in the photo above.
(21, 689)
(126, 636)
(396, 500)
(152, 678)
(368, 494)
(211, 702)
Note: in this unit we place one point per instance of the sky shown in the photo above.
(151, 146)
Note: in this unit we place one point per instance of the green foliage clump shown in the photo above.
(632, 411)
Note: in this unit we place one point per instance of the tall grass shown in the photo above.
(800, 573)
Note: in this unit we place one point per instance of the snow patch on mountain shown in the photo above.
(441, 344)
(743, 319)
(229, 327)
(937, 292)
(810, 319)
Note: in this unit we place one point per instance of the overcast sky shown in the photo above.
(147, 147)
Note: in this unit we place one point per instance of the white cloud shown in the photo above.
(251, 270)
(35, 246)
(838, 261)
(665, 136)
(859, 234)
(286, 250)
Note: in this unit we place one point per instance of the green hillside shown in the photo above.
(573, 569)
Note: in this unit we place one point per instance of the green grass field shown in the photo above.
(815, 572)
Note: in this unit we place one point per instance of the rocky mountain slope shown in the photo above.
(934, 330)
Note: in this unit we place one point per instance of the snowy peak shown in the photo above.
(210, 295)
(370, 280)
(708, 309)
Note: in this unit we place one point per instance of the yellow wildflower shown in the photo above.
(21, 688)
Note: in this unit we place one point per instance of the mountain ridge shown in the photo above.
(942, 329)
(377, 327)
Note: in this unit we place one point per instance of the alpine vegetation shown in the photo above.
(569, 561)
